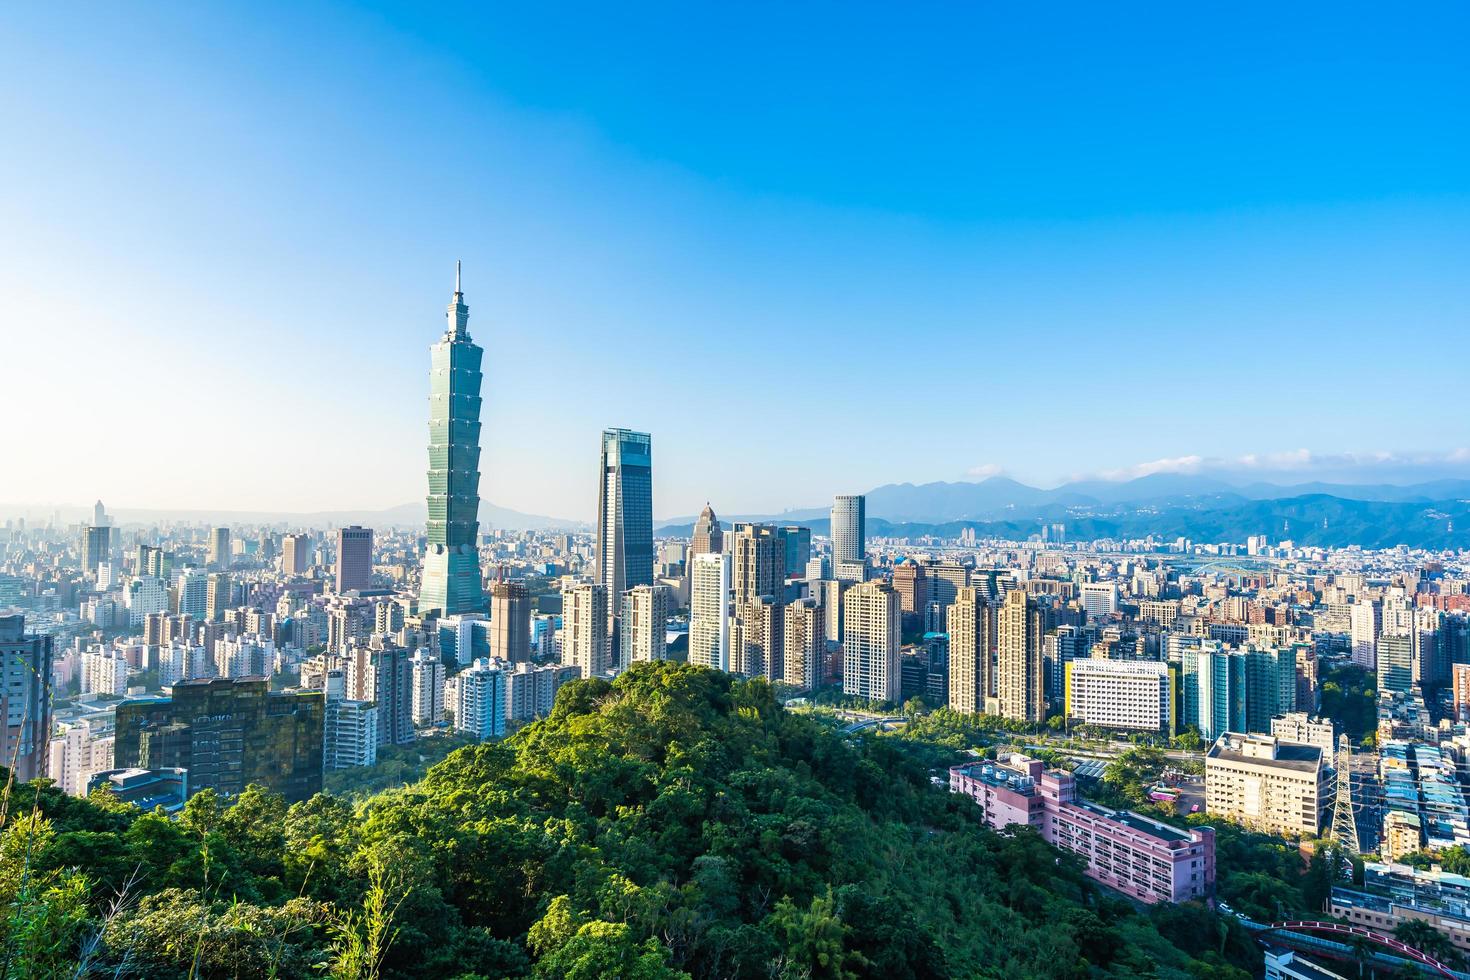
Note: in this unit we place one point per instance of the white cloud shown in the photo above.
(1348, 467)
(984, 471)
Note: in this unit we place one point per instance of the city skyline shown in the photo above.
(1271, 219)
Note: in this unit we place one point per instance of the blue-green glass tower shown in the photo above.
(451, 582)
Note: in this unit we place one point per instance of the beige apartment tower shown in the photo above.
(1268, 785)
(585, 640)
(971, 639)
(872, 637)
(1020, 671)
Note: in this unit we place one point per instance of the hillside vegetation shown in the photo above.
(674, 822)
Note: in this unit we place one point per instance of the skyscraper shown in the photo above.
(295, 554)
(219, 548)
(510, 622)
(871, 640)
(624, 515)
(25, 663)
(758, 553)
(708, 538)
(849, 530)
(971, 633)
(96, 547)
(354, 558)
(1020, 675)
(451, 577)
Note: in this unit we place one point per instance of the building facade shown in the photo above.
(1267, 784)
(624, 516)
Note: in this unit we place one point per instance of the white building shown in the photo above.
(181, 661)
(530, 690)
(1131, 694)
(104, 672)
(244, 656)
(1303, 729)
(351, 736)
(1099, 599)
(428, 688)
(79, 750)
(709, 611)
(1364, 617)
(479, 698)
(145, 595)
(1266, 784)
(194, 593)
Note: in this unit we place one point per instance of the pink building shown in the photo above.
(1142, 858)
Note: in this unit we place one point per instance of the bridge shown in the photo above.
(1312, 936)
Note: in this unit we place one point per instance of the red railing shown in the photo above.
(1337, 928)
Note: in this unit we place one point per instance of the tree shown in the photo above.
(1430, 941)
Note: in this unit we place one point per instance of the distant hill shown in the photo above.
(403, 515)
(1319, 520)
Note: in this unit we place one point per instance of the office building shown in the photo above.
(451, 580)
(586, 642)
(624, 556)
(709, 610)
(145, 595)
(1268, 785)
(972, 637)
(1099, 599)
(295, 554)
(798, 548)
(219, 552)
(1020, 677)
(645, 616)
(478, 703)
(1131, 695)
(944, 581)
(1145, 859)
(849, 532)
(147, 789)
(708, 538)
(354, 558)
(228, 734)
(96, 548)
(510, 622)
(428, 688)
(871, 640)
(217, 595)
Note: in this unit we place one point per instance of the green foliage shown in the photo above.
(1348, 697)
(675, 822)
(397, 766)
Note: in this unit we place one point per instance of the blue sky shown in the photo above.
(811, 248)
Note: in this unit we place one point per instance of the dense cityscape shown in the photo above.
(1125, 699)
(904, 492)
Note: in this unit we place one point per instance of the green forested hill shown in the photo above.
(676, 821)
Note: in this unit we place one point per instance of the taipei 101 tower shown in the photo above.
(451, 578)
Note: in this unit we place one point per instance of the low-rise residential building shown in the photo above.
(1392, 894)
(1143, 858)
(1267, 784)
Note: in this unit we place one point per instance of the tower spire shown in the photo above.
(457, 290)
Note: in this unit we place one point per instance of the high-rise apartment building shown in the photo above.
(757, 639)
(586, 641)
(510, 622)
(708, 538)
(479, 700)
(871, 640)
(350, 735)
(709, 610)
(1364, 620)
(354, 558)
(25, 665)
(624, 516)
(758, 562)
(849, 531)
(804, 650)
(219, 551)
(193, 591)
(451, 580)
(912, 586)
(383, 673)
(643, 622)
(972, 637)
(1395, 662)
(1020, 675)
(428, 688)
(944, 581)
(295, 554)
(228, 734)
(217, 596)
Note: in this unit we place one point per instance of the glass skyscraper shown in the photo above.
(451, 578)
(624, 515)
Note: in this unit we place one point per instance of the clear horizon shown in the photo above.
(811, 251)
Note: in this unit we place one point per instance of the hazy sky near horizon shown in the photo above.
(812, 248)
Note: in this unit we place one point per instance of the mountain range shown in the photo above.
(1165, 505)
